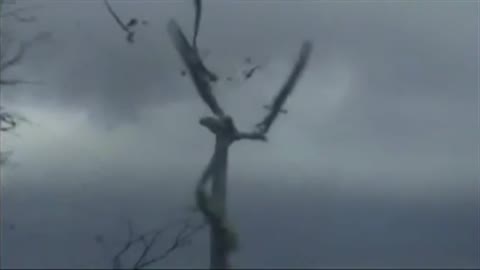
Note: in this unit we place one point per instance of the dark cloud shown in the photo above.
(375, 164)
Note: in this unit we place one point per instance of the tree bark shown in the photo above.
(218, 239)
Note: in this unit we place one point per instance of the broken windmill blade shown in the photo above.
(268, 107)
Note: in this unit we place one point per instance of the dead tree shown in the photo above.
(213, 204)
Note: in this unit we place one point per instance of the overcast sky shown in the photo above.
(376, 163)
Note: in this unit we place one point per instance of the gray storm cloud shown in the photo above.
(375, 164)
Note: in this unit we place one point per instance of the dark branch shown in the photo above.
(15, 13)
(286, 90)
(278, 102)
(146, 249)
(126, 28)
(198, 17)
(22, 50)
(9, 120)
(14, 82)
(5, 156)
(254, 136)
(248, 73)
(149, 239)
(194, 65)
(115, 17)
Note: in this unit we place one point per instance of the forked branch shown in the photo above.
(195, 67)
(197, 4)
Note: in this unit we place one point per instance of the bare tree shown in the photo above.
(213, 204)
(11, 55)
(126, 27)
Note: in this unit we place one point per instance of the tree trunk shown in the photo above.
(218, 239)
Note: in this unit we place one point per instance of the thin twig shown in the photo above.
(123, 26)
(198, 16)
(15, 12)
(22, 50)
(9, 120)
(287, 88)
(194, 65)
(150, 238)
(182, 239)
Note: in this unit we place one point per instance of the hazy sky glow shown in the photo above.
(376, 163)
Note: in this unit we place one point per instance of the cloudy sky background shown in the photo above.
(376, 163)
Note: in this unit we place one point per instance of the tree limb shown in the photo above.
(150, 238)
(195, 67)
(115, 16)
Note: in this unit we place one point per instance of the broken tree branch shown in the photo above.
(194, 65)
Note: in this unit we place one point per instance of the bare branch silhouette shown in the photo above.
(198, 16)
(127, 28)
(212, 205)
(287, 88)
(248, 73)
(194, 66)
(17, 13)
(149, 239)
(197, 4)
(22, 50)
(8, 120)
